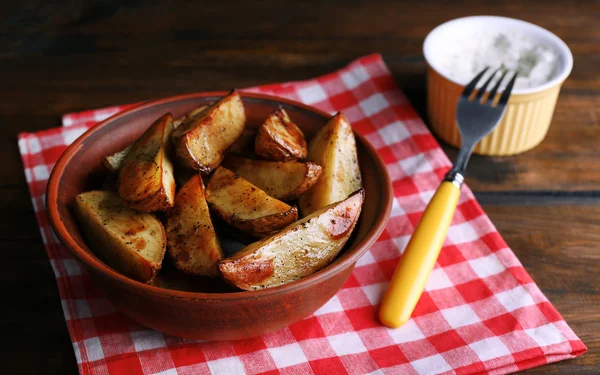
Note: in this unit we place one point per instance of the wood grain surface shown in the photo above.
(89, 54)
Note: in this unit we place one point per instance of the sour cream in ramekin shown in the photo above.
(457, 50)
(535, 62)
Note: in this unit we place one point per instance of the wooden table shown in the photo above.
(58, 59)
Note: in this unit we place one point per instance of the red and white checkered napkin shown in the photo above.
(480, 312)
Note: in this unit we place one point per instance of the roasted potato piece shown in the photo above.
(246, 207)
(191, 239)
(297, 251)
(130, 241)
(281, 180)
(146, 180)
(334, 149)
(189, 116)
(115, 161)
(201, 141)
(280, 139)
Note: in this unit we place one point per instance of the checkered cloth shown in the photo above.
(480, 312)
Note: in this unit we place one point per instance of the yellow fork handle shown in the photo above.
(420, 256)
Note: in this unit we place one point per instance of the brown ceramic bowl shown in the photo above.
(208, 316)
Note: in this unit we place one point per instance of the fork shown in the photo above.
(477, 115)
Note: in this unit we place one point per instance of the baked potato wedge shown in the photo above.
(189, 116)
(284, 180)
(201, 142)
(246, 207)
(115, 161)
(297, 251)
(334, 149)
(146, 180)
(280, 139)
(130, 241)
(191, 239)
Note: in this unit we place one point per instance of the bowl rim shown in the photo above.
(527, 27)
(100, 267)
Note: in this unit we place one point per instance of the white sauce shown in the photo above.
(535, 63)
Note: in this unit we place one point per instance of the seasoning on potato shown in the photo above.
(246, 207)
(280, 139)
(132, 242)
(200, 142)
(334, 149)
(282, 180)
(114, 162)
(297, 251)
(146, 180)
(191, 239)
(246, 194)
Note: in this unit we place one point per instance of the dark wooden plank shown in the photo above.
(538, 197)
(563, 260)
(107, 53)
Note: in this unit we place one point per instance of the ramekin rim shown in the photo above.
(560, 46)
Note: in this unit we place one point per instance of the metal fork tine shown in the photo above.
(482, 89)
(471, 86)
(496, 87)
(506, 94)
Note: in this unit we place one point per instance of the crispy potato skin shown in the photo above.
(282, 180)
(334, 149)
(146, 180)
(298, 250)
(130, 241)
(248, 273)
(191, 239)
(246, 207)
(200, 143)
(266, 225)
(114, 162)
(280, 139)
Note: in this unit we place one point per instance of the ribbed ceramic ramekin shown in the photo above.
(529, 111)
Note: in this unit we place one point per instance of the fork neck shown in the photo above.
(456, 174)
(456, 178)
